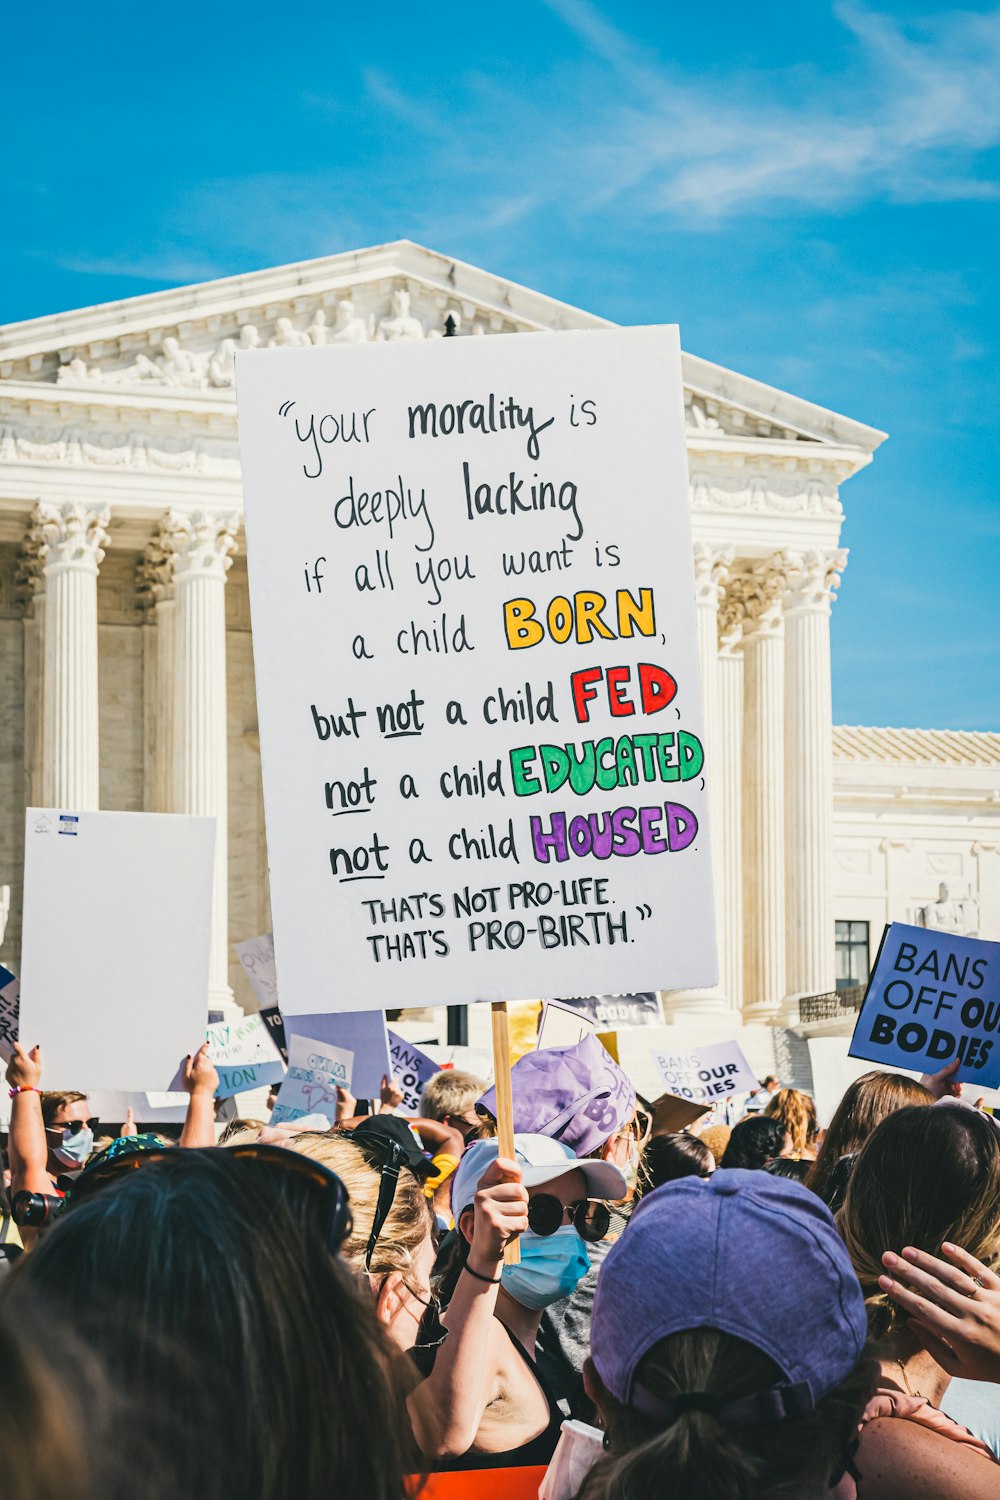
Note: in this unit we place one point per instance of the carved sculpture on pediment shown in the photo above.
(287, 336)
(400, 324)
(949, 914)
(348, 327)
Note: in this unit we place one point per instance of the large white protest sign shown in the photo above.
(707, 1075)
(476, 658)
(411, 1069)
(10, 989)
(315, 1072)
(114, 949)
(363, 1033)
(932, 997)
(244, 1055)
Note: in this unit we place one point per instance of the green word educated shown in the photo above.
(606, 764)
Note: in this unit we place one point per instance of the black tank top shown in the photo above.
(535, 1452)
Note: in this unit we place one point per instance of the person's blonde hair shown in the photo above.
(408, 1224)
(797, 1112)
(450, 1092)
(923, 1176)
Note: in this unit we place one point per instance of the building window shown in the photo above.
(852, 954)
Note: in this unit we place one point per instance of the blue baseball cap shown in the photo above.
(748, 1254)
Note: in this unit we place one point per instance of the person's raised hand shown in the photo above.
(129, 1127)
(942, 1085)
(953, 1306)
(501, 1214)
(347, 1105)
(199, 1072)
(24, 1071)
(390, 1094)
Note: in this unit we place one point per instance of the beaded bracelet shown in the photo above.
(23, 1088)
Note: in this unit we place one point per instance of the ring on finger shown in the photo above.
(977, 1282)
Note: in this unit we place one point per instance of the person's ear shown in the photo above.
(608, 1149)
(466, 1224)
(593, 1384)
(389, 1300)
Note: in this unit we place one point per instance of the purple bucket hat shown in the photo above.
(578, 1095)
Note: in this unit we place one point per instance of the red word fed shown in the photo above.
(656, 689)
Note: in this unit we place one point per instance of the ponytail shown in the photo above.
(701, 1453)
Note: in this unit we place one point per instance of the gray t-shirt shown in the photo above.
(976, 1405)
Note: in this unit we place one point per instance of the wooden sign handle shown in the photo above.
(505, 1102)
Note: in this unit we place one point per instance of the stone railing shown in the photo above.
(834, 1006)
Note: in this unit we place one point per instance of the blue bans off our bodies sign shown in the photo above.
(933, 997)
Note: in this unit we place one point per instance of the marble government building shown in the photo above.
(126, 669)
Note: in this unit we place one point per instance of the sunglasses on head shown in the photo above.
(327, 1194)
(590, 1218)
(73, 1127)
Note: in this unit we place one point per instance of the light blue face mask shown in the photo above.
(551, 1265)
(73, 1150)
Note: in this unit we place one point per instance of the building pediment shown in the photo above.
(177, 346)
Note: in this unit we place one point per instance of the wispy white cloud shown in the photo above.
(908, 119)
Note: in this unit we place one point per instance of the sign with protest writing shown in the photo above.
(115, 942)
(475, 646)
(275, 1023)
(411, 1069)
(244, 1055)
(315, 1072)
(706, 1075)
(363, 1033)
(10, 990)
(256, 957)
(932, 997)
(616, 1012)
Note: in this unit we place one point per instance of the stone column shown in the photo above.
(727, 830)
(156, 586)
(810, 953)
(711, 568)
(71, 539)
(760, 594)
(200, 546)
(31, 583)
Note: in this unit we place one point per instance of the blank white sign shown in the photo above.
(114, 955)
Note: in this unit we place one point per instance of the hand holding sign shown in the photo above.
(317, 1073)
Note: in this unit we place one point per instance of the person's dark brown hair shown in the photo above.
(667, 1157)
(697, 1454)
(53, 1100)
(924, 1176)
(216, 1263)
(866, 1103)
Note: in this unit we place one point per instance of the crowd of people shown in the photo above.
(756, 1310)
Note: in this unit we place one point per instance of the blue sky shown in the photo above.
(810, 190)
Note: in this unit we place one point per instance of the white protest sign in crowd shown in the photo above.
(477, 668)
(707, 1075)
(411, 1069)
(114, 988)
(244, 1055)
(256, 956)
(315, 1072)
(933, 997)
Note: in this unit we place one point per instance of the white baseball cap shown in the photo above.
(541, 1159)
